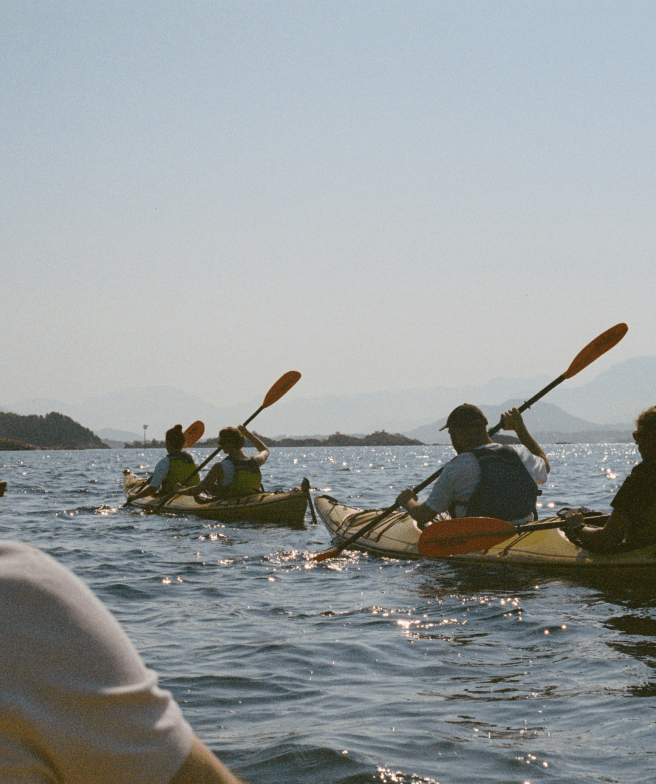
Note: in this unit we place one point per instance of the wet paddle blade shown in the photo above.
(194, 433)
(463, 535)
(600, 345)
(281, 387)
(327, 554)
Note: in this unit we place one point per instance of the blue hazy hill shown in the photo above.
(611, 400)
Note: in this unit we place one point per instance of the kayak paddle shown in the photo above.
(469, 534)
(280, 388)
(462, 535)
(193, 433)
(600, 345)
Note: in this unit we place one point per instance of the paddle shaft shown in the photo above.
(528, 527)
(586, 356)
(529, 403)
(252, 416)
(203, 464)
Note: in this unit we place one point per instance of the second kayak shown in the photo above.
(268, 507)
(397, 536)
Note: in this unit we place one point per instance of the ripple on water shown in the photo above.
(363, 669)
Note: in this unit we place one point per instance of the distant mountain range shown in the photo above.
(608, 403)
(121, 416)
(546, 422)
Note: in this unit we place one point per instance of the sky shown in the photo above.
(381, 195)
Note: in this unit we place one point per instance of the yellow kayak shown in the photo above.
(397, 536)
(268, 507)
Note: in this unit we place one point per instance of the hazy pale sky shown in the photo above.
(382, 195)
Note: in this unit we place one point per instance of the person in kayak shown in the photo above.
(485, 479)
(632, 523)
(237, 474)
(171, 470)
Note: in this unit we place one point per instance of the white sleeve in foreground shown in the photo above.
(73, 690)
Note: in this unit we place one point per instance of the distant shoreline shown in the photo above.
(379, 438)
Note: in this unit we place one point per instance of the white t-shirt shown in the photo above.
(77, 704)
(160, 472)
(460, 477)
(229, 471)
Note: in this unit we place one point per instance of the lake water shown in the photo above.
(363, 669)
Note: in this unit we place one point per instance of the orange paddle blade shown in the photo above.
(281, 387)
(463, 535)
(600, 345)
(328, 554)
(193, 433)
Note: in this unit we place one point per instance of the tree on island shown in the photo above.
(379, 438)
(53, 431)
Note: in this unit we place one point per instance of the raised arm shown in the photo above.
(263, 449)
(512, 420)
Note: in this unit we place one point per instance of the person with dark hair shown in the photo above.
(485, 479)
(632, 523)
(171, 470)
(237, 474)
(77, 703)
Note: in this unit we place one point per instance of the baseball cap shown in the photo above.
(465, 415)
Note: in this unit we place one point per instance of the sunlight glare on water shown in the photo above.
(363, 669)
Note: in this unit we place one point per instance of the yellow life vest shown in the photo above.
(180, 466)
(248, 478)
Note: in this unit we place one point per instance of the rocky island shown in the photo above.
(53, 431)
(379, 438)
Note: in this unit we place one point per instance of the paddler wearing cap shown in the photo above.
(484, 479)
